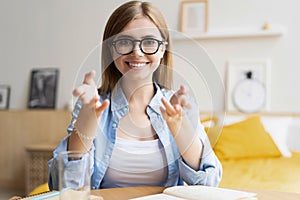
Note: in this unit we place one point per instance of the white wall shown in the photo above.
(61, 33)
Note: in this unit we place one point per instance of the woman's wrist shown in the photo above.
(82, 135)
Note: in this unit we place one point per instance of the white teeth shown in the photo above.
(137, 64)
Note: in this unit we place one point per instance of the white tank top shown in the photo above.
(136, 163)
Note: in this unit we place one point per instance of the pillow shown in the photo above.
(293, 139)
(213, 125)
(232, 119)
(278, 127)
(245, 139)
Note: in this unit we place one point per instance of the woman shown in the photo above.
(135, 129)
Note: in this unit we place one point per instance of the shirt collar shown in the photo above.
(118, 98)
(155, 102)
(119, 101)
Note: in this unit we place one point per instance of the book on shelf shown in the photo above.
(199, 192)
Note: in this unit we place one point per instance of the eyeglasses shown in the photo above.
(148, 46)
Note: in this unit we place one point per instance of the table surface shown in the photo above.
(127, 193)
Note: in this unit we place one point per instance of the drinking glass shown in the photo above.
(74, 175)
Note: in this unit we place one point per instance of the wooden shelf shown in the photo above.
(234, 33)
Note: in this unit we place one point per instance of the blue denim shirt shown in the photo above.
(210, 169)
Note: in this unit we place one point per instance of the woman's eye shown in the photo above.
(124, 42)
(149, 42)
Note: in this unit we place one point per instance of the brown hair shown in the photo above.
(117, 21)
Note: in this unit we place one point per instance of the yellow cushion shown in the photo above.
(245, 139)
(40, 189)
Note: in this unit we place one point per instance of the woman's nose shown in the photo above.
(137, 50)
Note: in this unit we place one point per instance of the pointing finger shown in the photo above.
(88, 79)
(169, 108)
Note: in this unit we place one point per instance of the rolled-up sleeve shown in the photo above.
(210, 169)
(209, 174)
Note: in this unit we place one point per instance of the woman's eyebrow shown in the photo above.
(123, 36)
(131, 37)
(152, 36)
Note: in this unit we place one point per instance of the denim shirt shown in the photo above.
(210, 170)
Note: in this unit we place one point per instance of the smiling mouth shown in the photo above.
(137, 65)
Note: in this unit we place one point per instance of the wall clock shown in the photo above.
(247, 86)
(249, 95)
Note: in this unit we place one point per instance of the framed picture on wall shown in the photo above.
(43, 88)
(4, 97)
(194, 16)
(248, 86)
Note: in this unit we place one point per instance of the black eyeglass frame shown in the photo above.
(140, 45)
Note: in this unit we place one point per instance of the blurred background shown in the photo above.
(65, 35)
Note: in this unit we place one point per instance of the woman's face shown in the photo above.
(136, 64)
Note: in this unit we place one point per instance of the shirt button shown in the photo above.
(106, 157)
(93, 187)
(124, 109)
(114, 125)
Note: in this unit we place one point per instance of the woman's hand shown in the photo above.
(88, 94)
(91, 110)
(181, 98)
(173, 112)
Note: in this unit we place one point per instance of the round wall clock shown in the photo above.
(249, 94)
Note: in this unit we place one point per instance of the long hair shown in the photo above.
(117, 21)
